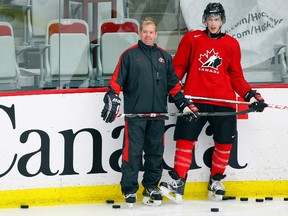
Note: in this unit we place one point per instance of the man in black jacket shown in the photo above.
(145, 75)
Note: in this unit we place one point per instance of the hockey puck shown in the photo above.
(214, 209)
(268, 198)
(259, 200)
(24, 206)
(109, 201)
(243, 199)
(116, 206)
(285, 198)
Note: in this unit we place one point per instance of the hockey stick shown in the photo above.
(217, 100)
(200, 114)
(283, 107)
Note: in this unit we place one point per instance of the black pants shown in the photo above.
(143, 136)
(224, 127)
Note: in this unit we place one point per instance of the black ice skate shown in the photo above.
(216, 189)
(152, 196)
(173, 190)
(130, 199)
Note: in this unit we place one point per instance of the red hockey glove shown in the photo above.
(111, 107)
(256, 101)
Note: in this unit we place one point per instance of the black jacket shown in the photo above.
(146, 76)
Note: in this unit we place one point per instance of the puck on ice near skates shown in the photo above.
(259, 200)
(243, 199)
(268, 198)
(214, 209)
(24, 206)
(116, 206)
(110, 201)
(285, 198)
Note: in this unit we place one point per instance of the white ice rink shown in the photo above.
(275, 207)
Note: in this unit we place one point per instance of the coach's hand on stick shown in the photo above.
(256, 101)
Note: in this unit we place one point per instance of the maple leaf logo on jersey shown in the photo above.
(210, 59)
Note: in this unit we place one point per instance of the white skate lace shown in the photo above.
(154, 191)
(130, 195)
(176, 184)
(217, 185)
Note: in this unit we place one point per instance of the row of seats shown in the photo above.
(67, 54)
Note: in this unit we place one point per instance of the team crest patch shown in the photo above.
(210, 59)
(161, 60)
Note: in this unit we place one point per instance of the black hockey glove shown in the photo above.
(111, 107)
(256, 100)
(186, 106)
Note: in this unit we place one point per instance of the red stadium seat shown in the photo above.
(114, 36)
(67, 54)
(9, 71)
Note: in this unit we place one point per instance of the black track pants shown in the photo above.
(144, 136)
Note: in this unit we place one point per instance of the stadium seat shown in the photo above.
(9, 71)
(115, 35)
(67, 55)
(39, 13)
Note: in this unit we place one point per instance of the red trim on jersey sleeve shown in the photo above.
(113, 81)
(176, 89)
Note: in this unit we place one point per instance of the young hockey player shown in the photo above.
(211, 60)
(145, 75)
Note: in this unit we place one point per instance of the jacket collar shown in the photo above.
(146, 47)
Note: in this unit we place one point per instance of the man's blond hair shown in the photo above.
(149, 20)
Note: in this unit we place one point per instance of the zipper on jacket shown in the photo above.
(152, 71)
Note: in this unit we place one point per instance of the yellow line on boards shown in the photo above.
(101, 193)
(253, 189)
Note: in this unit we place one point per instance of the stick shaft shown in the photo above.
(217, 100)
(155, 115)
(274, 106)
(149, 115)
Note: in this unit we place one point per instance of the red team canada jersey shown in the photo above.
(213, 67)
